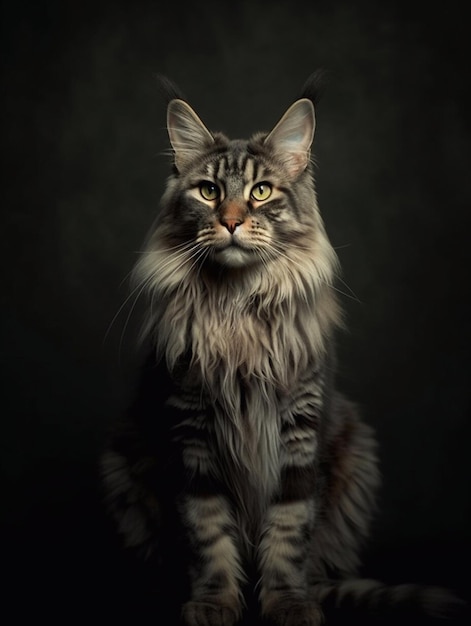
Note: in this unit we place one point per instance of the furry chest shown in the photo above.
(231, 430)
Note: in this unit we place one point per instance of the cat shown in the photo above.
(238, 452)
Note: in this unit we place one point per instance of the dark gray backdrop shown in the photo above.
(83, 169)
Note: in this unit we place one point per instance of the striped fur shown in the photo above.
(237, 425)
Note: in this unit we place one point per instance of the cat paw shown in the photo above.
(294, 614)
(208, 614)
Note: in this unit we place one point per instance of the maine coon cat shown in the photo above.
(238, 452)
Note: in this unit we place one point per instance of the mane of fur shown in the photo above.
(260, 322)
(250, 333)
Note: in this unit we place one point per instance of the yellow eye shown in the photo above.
(209, 190)
(261, 191)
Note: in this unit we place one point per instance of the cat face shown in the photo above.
(239, 201)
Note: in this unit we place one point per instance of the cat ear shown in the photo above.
(292, 136)
(188, 135)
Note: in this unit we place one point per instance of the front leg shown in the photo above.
(283, 553)
(207, 516)
(288, 527)
(216, 571)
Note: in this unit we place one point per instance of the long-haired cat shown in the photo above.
(239, 466)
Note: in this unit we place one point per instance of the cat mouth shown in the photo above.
(232, 243)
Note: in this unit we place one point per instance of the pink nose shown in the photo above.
(231, 223)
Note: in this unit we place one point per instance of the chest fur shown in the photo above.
(247, 352)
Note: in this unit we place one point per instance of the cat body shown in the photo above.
(237, 427)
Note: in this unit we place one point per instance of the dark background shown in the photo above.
(83, 169)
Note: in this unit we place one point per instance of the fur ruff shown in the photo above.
(251, 333)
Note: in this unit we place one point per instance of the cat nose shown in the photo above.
(231, 223)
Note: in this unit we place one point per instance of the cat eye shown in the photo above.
(261, 191)
(209, 190)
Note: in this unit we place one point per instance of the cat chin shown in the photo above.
(234, 256)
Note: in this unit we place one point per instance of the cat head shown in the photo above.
(239, 234)
(241, 202)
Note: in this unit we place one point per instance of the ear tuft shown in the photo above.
(188, 135)
(292, 137)
(315, 85)
(168, 89)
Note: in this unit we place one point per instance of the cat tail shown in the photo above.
(379, 603)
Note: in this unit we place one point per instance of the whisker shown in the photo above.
(352, 295)
(180, 246)
(275, 251)
(272, 254)
(144, 282)
(278, 250)
(263, 259)
(176, 256)
(144, 285)
(198, 254)
(179, 252)
(343, 293)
